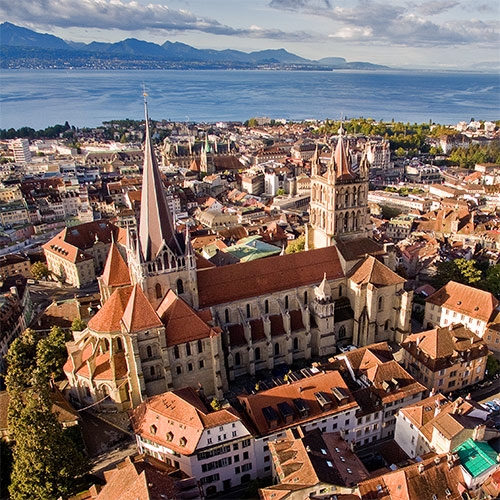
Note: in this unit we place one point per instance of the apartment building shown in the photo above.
(178, 428)
(445, 358)
(14, 265)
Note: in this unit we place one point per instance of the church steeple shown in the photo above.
(156, 227)
(341, 157)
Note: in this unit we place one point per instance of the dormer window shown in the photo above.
(182, 441)
(153, 429)
(170, 436)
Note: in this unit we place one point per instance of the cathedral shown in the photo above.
(168, 321)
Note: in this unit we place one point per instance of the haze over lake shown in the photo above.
(87, 98)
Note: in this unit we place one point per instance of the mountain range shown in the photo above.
(23, 48)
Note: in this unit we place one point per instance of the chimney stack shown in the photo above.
(478, 432)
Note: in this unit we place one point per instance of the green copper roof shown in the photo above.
(476, 456)
(252, 248)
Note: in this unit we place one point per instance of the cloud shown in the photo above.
(299, 4)
(436, 7)
(127, 16)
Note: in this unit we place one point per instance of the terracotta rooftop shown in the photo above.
(176, 419)
(374, 272)
(444, 346)
(304, 390)
(250, 279)
(465, 300)
(139, 314)
(115, 271)
(358, 248)
(108, 318)
(182, 322)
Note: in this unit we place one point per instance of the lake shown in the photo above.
(39, 98)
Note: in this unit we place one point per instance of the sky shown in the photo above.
(439, 34)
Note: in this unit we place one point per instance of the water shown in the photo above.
(39, 98)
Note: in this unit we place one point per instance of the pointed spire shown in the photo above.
(323, 291)
(115, 270)
(341, 158)
(315, 163)
(156, 227)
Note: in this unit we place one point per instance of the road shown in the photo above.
(44, 292)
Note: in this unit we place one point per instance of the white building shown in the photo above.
(21, 150)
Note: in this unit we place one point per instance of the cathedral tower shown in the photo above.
(159, 258)
(339, 199)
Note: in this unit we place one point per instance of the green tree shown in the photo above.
(39, 270)
(280, 192)
(51, 353)
(492, 366)
(400, 152)
(459, 270)
(46, 462)
(297, 245)
(492, 281)
(215, 404)
(78, 325)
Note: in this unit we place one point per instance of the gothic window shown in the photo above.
(346, 221)
(237, 359)
(376, 329)
(257, 353)
(106, 345)
(152, 371)
(165, 261)
(340, 290)
(387, 325)
(295, 344)
(286, 302)
(346, 199)
(158, 290)
(119, 344)
(180, 287)
(381, 303)
(266, 306)
(305, 297)
(188, 349)
(249, 311)
(200, 347)
(149, 351)
(226, 315)
(176, 352)
(178, 369)
(342, 332)
(276, 349)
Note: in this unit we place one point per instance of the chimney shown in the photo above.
(478, 432)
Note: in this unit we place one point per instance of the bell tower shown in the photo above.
(159, 257)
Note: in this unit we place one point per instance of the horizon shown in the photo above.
(435, 34)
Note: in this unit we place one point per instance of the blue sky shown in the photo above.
(413, 33)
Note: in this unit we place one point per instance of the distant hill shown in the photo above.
(24, 48)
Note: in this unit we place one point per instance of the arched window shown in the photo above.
(342, 332)
(237, 359)
(249, 311)
(119, 344)
(340, 290)
(152, 371)
(266, 306)
(176, 352)
(153, 429)
(226, 315)
(180, 287)
(387, 325)
(257, 353)
(106, 345)
(276, 349)
(346, 199)
(105, 390)
(149, 351)
(305, 297)
(381, 303)
(200, 347)
(295, 344)
(286, 302)
(158, 291)
(188, 349)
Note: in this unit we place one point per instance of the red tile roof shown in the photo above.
(115, 271)
(139, 314)
(108, 318)
(373, 271)
(182, 323)
(250, 279)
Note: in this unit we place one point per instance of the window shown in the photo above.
(152, 370)
(340, 290)
(180, 287)
(305, 297)
(257, 353)
(276, 349)
(226, 315)
(249, 311)
(149, 351)
(237, 469)
(237, 359)
(381, 303)
(200, 346)
(246, 467)
(295, 344)
(178, 370)
(286, 302)
(176, 352)
(245, 455)
(190, 367)
(236, 458)
(245, 443)
(267, 458)
(201, 364)
(266, 306)
(342, 332)
(119, 344)
(235, 447)
(188, 349)
(158, 291)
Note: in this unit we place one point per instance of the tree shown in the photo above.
(297, 245)
(459, 270)
(280, 192)
(215, 404)
(492, 282)
(51, 354)
(39, 270)
(492, 366)
(46, 462)
(78, 325)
